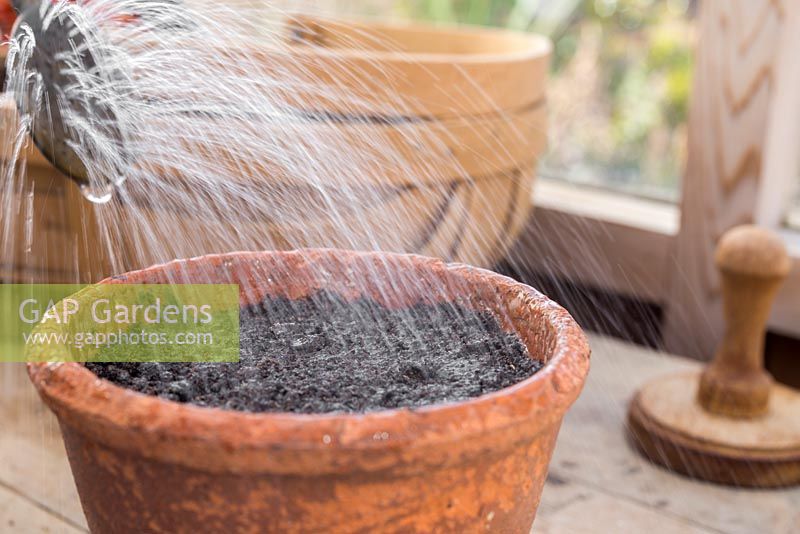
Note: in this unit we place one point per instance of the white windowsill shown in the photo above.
(617, 208)
(624, 244)
(602, 239)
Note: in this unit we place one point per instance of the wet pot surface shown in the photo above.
(143, 463)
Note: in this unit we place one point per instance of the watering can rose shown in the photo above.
(120, 322)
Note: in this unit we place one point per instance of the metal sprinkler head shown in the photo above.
(58, 45)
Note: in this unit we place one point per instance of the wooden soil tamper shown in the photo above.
(729, 423)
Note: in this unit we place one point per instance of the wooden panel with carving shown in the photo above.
(728, 125)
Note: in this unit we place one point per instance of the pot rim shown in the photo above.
(179, 432)
(523, 46)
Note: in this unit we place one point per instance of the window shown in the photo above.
(619, 103)
(619, 92)
(619, 96)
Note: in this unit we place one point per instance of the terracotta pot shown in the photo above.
(146, 464)
(441, 71)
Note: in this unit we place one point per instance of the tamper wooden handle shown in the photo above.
(753, 263)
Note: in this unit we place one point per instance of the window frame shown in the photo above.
(743, 167)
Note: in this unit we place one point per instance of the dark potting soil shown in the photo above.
(323, 355)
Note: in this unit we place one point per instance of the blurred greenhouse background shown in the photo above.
(620, 88)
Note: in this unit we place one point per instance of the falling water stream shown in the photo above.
(202, 135)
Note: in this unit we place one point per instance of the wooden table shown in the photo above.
(596, 484)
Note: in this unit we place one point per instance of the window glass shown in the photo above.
(620, 86)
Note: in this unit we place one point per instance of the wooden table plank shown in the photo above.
(33, 462)
(19, 514)
(594, 455)
(597, 482)
(595, 512)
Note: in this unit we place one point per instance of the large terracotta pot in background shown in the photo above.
(464, 108)
(467, 103)
(143, 464)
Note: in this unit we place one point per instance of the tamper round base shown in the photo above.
(668, 425)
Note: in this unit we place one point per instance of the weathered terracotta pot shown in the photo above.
(143, 464)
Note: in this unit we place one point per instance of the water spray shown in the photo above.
(244, 126)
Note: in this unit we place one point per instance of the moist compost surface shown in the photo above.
(323, 354)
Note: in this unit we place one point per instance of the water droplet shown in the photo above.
(98, 194)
